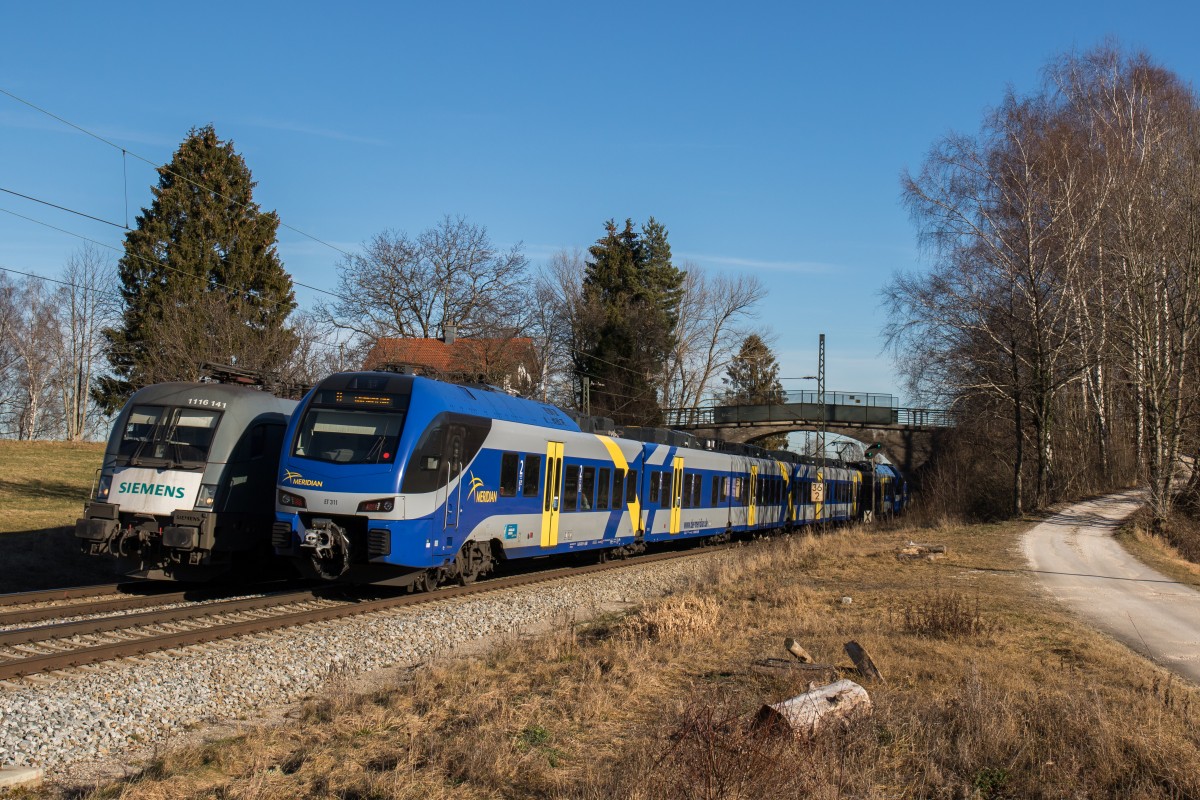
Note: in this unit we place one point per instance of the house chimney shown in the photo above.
(449, 332)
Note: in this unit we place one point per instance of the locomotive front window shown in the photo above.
(140, 428)
(166, 433)
(343, 436)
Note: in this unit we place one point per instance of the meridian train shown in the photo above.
(186, 486)
(408, 481)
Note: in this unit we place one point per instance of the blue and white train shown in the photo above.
(406, 480)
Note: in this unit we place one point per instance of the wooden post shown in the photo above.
(862, 662)
(799, 652)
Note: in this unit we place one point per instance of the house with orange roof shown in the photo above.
(509, 363)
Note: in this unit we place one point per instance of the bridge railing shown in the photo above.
(807, 410)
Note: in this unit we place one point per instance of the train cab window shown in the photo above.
(618, 499)
(533, 474)
(571, 490)
(587, 489)
(654, 477)
(446, 446)
(631, 494)
(605, 477)
(510, 466)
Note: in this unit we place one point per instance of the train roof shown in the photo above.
(477, 400)
(179, 392)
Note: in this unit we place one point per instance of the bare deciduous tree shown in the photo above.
(87, 307)
(709, 332)
(450, 273)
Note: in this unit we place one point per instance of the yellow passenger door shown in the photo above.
(552, 493)
(676, 493)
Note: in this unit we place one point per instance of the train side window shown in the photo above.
(631, 494)
(258, 441)
(686, 499)
(618, 487)
(654, 476)
(571, 490)
(698, 491)
(533, 474)
(510, 466)
(587, 489)
(605, 477)
(716, 490)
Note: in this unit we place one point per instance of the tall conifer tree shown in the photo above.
(203, 233)
(752, 378)
(632, 291)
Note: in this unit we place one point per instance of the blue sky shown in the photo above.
(769, 138)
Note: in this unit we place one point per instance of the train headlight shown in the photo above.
(291, 500)
(206, 496)
(104, 487)
(384, 504)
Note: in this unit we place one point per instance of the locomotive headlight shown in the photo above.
(383, 504)
(104, 487)
(291, 500)
(206, 496)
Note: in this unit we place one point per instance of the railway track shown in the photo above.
(50, 648)
(29, 607)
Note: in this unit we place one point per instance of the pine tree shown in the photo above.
(752, 378)
(631, 293)
(203, 233)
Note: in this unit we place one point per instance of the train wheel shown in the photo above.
(425, 582)
(472, 562)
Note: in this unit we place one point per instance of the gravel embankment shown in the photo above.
(117, 707)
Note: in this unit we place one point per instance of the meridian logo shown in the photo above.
(477, 492)
(296, 479)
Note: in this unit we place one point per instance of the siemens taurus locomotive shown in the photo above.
(185, 490)
(410, 481)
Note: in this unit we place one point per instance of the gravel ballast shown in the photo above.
(114, 708)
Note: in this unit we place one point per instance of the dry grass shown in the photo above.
(45, 484)
(1162, 554)
(43, 487)
(1002, 695)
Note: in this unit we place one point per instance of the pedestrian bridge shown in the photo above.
(908, 435)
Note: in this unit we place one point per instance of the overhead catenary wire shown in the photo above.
(63, 208)
(162, 169)
(153, 262)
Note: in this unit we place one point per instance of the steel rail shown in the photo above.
(86, 627)
(109, 652)
(121, 603)
(53, 595)
(125, 602)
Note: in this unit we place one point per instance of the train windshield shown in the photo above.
(168, 434)
(344, 436)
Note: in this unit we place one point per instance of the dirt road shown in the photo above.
(1080, 563)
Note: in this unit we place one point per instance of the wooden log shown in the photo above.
(776, 665)
(805, 714)
(862, 661)
(799, 652)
